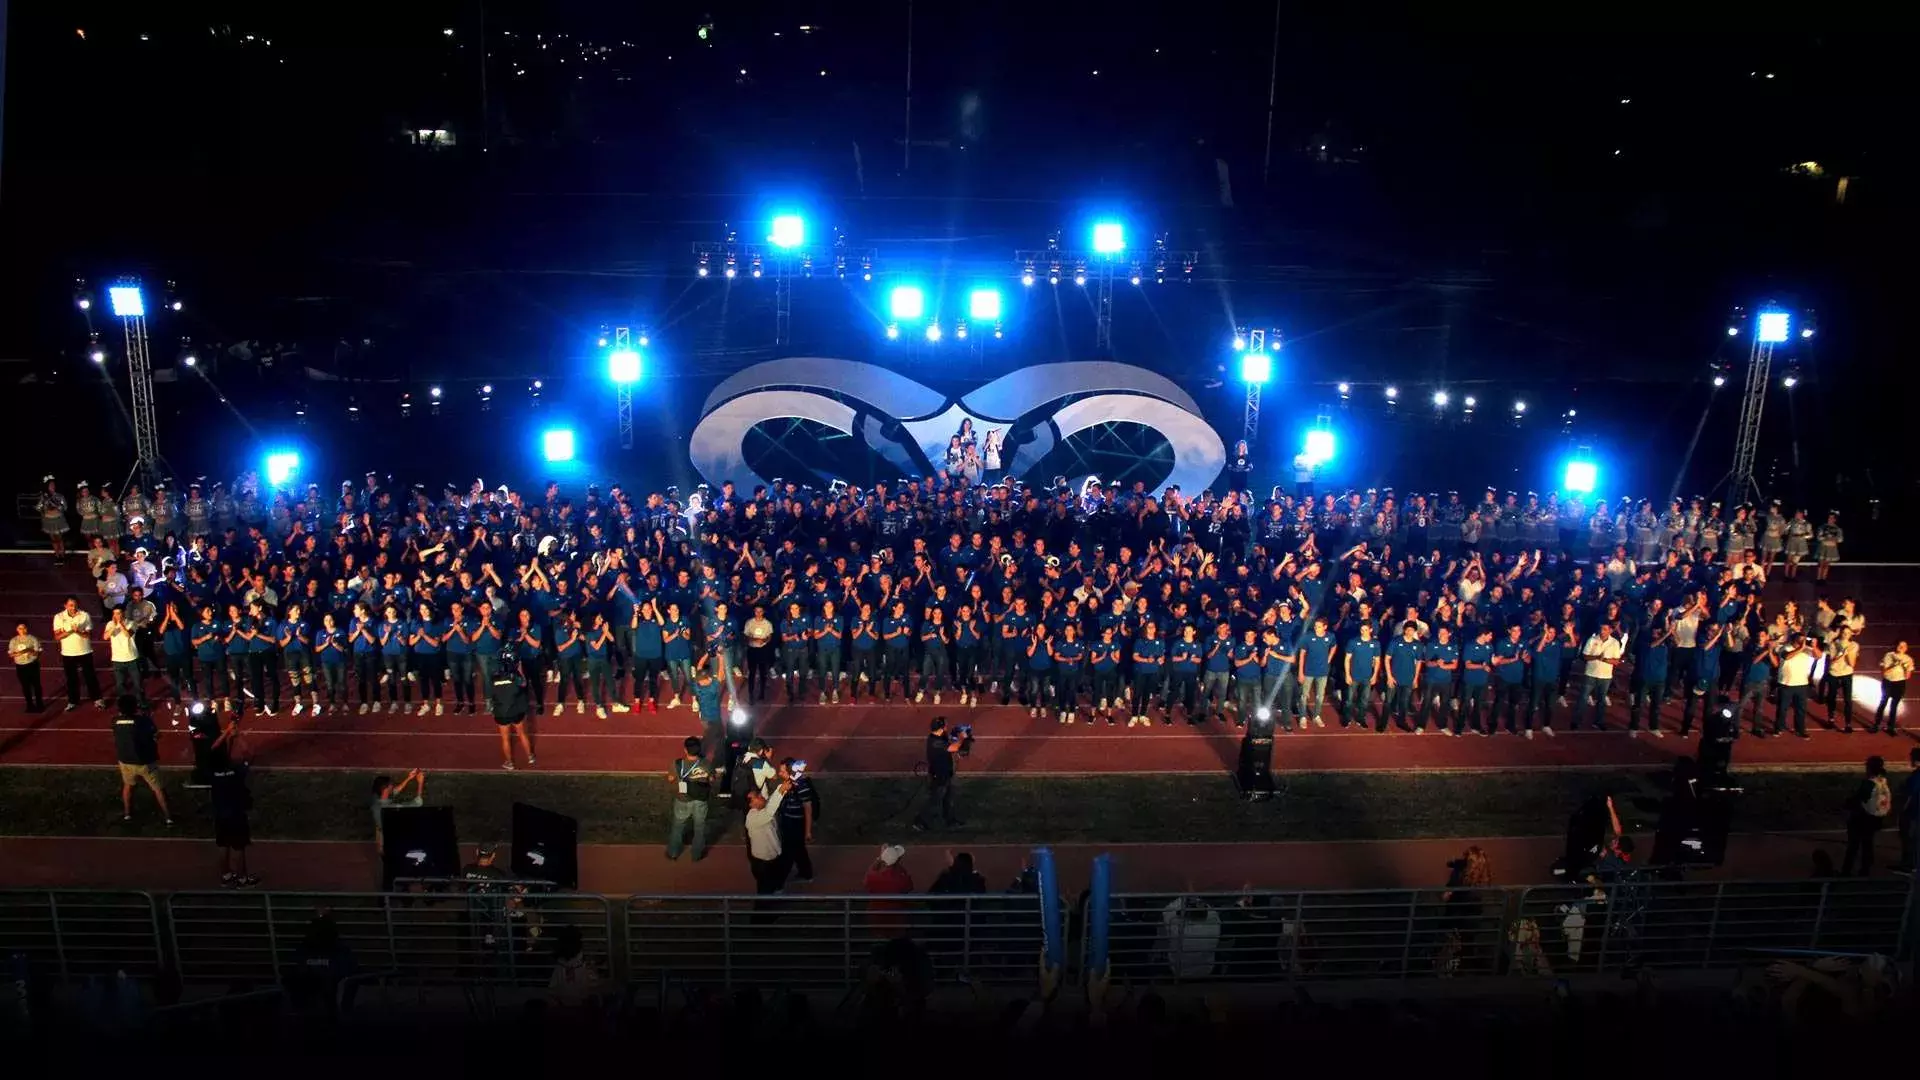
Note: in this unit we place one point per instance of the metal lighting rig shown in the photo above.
(623, 388)
(782, 262)
(1101, 267)
(127, 302)
(1769, 328)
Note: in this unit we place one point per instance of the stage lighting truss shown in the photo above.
(1099, 271)
(782, 265)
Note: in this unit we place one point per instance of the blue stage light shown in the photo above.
(893, 332)
(129, 304)
(1109, 238)
(1319, 446)
(1256, 367)
(984, 305)
(907, 302)
(623, 366)
(281, 467)
(1580, 477)
(789, 231)
(1775, 327)
(557, 444)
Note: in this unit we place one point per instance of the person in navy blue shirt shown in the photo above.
(599, 644)
(296, 644)
(1360, 668)
(570, 649)
(1649, 682)
(263, 657)
(896, 638)
(934, 636)
(1184, 658)
(1545, 657)
(1249, 666)
(1405, 657)
(795, 634)
(676, 635)
(863, 639)
(529, 643)
(1016, 628)
(1069, 658)
(827, 631)
(1277, 680)
(1476, 676)
(176, 644)
(1149, 665)
(1315, 662)
(1039, 670)
(1439, 661)
(1103, 658)
(969, 634)
(363, 642)
(331, 648)
(1510, 678)
(1216, 680)
(645, 643)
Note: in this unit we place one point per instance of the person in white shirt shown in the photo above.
(1837, 691)
(1601, 652)
(1793, 679)
(124, 654)
(73, 629)
(764, 856)
(1189, 937)
(1895, 668)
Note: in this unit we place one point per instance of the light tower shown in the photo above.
(623, 367)
(1256, 349)
(1770, 327)
(1108, 259)
(786, 253)
(128, 304)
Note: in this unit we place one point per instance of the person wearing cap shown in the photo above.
(888, 876)
(52, 508)
(691, 776)
(1827, 542)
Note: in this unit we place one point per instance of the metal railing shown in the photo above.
(1282, 936)
(813, 942)
(68, 935)
(1708, 924)
(497, 939)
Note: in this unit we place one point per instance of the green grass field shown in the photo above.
(329, 805)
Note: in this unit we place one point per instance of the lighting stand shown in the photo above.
(1741, 485)
(146, 436)
(1100, 269)
(782, 265)
(623, 391)
(1256, 343)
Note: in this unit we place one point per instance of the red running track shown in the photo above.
(889, 740)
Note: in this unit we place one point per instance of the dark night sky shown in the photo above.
(1510, 216)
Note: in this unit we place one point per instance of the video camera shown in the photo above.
(964, 733)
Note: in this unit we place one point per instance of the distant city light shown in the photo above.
(447, 32)
(1470, 402)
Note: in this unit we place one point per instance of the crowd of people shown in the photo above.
(1105, 603)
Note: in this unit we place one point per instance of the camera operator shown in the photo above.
(942, 748)
(797, 814)
(508, 698)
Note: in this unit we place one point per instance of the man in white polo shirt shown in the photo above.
(1793, 680)
(1601, 652)
(73, 628)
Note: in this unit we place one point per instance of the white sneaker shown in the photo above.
(557, 709)
(439, 708)
(863, 676)
(1529, 733)
(1034, 712)
(579, 708)
(919, 697)
(936, 697)
(1549, 731)
(297, 707)
(823, 697)
(413, 676)
(1319, 723)
(675, 703)
(1658, 734)
(1063, 718)
(425, 708)
(383, 677)
(836, 697)
(392, 707)
(600, 712)
(363, 708)
(1103, 703)
(617, 707)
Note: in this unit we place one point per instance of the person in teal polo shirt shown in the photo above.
(263, 657)
(393, 635)
(209, 648)
(296, 654)
(1104, 660)
(570, 650)
(1249, 665)
(677, 635)
(1360, 668)
(1216, 679)
(458, 647)
(1039, 669)
(864, 641)
(1545, 654)
(1277, 679)
(1315, 662)
(597, 643)
(646, 640)
(1149, 667)
(426, 637)
(1069, 658)
(1476, 674)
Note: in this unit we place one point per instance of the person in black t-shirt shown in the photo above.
(1240, 468)
(941, 750)
(231, 832)
(136, 746)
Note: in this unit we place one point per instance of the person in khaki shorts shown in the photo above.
(136, 745)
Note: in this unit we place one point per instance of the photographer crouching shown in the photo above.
(944, 748)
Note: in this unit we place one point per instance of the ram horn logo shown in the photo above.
(868, 402)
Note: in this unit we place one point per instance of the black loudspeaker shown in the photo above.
(546, 847)
(1254, 777)
(420, 843)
